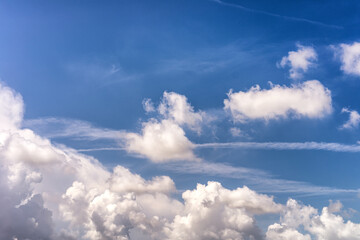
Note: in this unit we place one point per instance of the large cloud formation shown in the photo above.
(53, 192)
(308, 99)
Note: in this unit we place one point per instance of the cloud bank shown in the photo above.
(54, 192)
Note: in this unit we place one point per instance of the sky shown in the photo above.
(179, 119)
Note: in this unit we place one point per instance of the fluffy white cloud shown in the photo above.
(213, 212)
(299, 61)
(148, 105)
(161, 141)
(11, 108)
(324, 226)
(282, 232)
(164, 139)
(176, 107)
(349, 55)
(308, 99)
(53, 192)
(354, 119)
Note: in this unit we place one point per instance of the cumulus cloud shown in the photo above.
(164, 139)
(176, 107)
(354, 119)
(213, 212)
(299, 61)
(161, 141)
(349, 55)
(324, 226)
(11, 108)
(308, 99)
(53, 192)
(148, 105)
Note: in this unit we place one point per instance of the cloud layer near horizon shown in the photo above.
(54, 192)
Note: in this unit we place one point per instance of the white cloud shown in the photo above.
(176, 107)
(164, 139)
(148, 105)
(354, 119)
(53, 192)
(11, 108)
(161, 141)
(349, 55)
(324, 226)
(235, 132)
(299, 61)
(213, 212)
(308, 99)
(282, 232)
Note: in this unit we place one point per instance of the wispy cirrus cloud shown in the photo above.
(255, 178)
(289, 18)
(52, 127)
(81, 130)
(324, 146)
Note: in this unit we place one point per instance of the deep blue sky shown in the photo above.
(96, 61)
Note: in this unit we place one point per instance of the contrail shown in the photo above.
(335, 147)
(278, 15)
(321, 146)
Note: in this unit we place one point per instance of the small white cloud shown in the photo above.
(148, 105)
(235, 132)
(349, 55)
(308, 99)
(11, 108)
(334, 206)
(175, 106)
(161, 141)
(354, 119)
(299, 61)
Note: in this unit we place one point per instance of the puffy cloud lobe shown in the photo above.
(161, 141)
(52, 192)
(308, 99)
(176, 107)
(354, 119)
(350, 58)
(148, 105)
(213, 212)
(299, 61)
(326, 226)
(282, 232)
(11, 108)
(164, 139)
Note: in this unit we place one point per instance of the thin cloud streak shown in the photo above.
(334, 147)
(101, 149)
(256, 179)
(278, 15)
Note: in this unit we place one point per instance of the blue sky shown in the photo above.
(85, 70)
